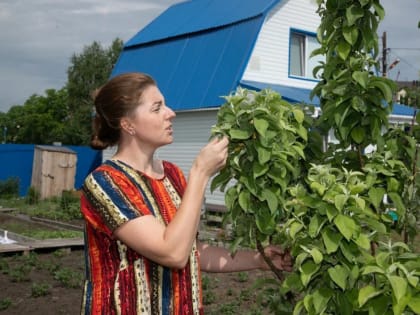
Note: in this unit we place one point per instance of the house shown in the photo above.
(201, 50)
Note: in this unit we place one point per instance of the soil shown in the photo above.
(50, 283)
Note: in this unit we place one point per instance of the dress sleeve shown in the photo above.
(110, 199)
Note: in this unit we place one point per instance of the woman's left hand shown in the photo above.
(280, 258)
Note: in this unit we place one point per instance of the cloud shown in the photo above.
(39, 37)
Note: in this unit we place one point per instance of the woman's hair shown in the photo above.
(115, 100)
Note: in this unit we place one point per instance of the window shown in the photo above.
(301, 46)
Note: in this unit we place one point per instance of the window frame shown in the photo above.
(303, 62)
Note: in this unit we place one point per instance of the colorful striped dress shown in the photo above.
(118, 279)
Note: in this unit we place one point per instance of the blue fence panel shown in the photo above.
(87, 160)
(16, 161)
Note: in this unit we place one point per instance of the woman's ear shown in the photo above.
(127, 127)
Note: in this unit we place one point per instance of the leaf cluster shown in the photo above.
(267, 138)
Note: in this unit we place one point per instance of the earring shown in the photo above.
(132, 132)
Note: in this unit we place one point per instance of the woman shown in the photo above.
(142, 218)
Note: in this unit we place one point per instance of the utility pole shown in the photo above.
(384, 55)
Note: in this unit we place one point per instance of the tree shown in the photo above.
(87, 72)
(336, 213)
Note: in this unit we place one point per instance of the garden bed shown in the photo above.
(21, 233)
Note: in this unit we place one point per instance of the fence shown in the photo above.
(16, 161)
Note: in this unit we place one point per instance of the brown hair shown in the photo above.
(113, 101)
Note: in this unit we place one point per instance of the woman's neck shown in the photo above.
(140, 161)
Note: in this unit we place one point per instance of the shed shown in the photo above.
(53, 170)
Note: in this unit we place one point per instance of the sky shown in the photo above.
(38, 38)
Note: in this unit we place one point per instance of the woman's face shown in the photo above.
(152, 119)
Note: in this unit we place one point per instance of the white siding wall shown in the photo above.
(269, 60)
(191, 132)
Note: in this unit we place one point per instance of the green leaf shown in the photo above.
(261, 126)
(299, 115)
(298, 308)
(345, 225)
(379, 305)
(339, 275)
(264, 221)
(363, 241)
(315, 225)
(220, 180)
(376, 196)
(398, 203)
(331, 212)
(294, 228)
(343, 49)
(331, 240)
(339, 201)
(318, 188)
(348, 251)
(259, 169)
(316, 255)
(382, 259)
(384, 88)
(230, 197)
(264, 154)
(413, 280)
(321, 298)
(414, 304)
(353, 13)
(239, 134)
(245, 200)
(361, 77)
(399, 307)
(392, 184)
(372, 269)
(350, 34)
(399, 286)
(358, 134)
(366, 293)
(307, 270)
(271, 199)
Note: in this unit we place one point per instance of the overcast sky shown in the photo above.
(38, 37)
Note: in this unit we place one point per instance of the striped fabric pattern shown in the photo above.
(119, 280)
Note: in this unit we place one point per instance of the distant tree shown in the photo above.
(88, 71)
(13, 122)
(63, 115)
(41, 120)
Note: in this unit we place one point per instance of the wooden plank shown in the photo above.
(58, 243)
(7, 248)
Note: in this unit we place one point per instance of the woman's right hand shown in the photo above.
(212, 157)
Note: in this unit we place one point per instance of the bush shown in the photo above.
(70, 204)
(32, 198)
(9, 188)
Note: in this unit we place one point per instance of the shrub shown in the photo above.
(9, 188)
(32, 197)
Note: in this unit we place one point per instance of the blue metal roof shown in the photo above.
(288, 93)
(199, 15)
(300, 95)
(197, 51)
(402, 110)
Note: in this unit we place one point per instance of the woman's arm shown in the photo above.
(219, 259)
(171, 245)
